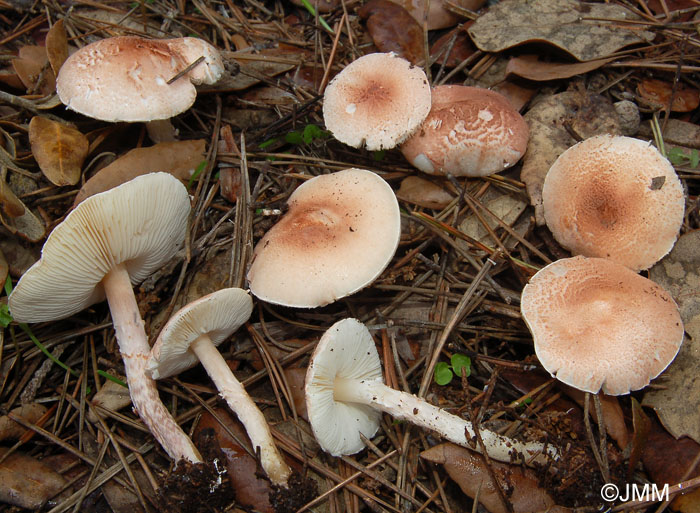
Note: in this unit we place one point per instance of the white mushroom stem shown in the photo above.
(244, 407)
(134, 348)
(413, 409)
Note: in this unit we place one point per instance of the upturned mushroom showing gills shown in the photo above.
(597, 325)
(190, 336)
(128, 78)
(470, 131)
(108, 243)
(345, 395)
(614, 197)
(377, 101)
(340, 232)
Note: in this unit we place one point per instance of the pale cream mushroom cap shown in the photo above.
(125, 78)
(598, 325)
(340, 232)
(141, 223)
(217, 315)
(614, 197)
(377, 101)
(347, 351)
(469, 131)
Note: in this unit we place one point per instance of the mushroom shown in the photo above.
(340, 232)
(108, 243)
(596, 324)
(377, 101)
(127, 78)
(345, 394)
(469, 131)
(191, 335)
(614, 197)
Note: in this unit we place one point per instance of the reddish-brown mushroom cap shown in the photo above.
(378, 100)
(340, 232)
(125, 78)
(469, 132)
(614, 197)
(598, 325)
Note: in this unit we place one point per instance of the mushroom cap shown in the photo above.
(346, 350)
(614, 197)
(377, 100)
(598, 325)
(340, 232)
(217, 315)
(469, 131)
(140, 224)
(125, 78)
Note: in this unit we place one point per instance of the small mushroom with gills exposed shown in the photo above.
(190, 336)
(107, 244)
(345, 395)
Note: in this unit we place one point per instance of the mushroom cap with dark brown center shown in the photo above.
(126, 78)
(378, 101)
(598, 325)
(340, 232)
(614, 197)
(469, 131)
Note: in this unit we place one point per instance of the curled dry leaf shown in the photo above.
(393, 29)
(424, 193)
(552, 120)
(585, 30)
(677, 403)
(27, 482)
(58, 149)
(9, 203)
(251, 491)
(179, 158)
(469, 471)
(32, 68)
(659, 93)
(57, 45)
(530, 67)
(26, 225)
(438, 16)
(11, 430)
(112, 396)
(457, 42)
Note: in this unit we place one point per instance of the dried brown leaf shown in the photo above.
(253, 68)
(659, 93)
(9, 429)
(58, 149)
(469, 471)
(32, 66)
(424, 193)
(678, 402)
(393, 29)
(530, 67)
(57, 45)
(438, 16)
(27, 482)
(459, 44)
(9, 203)
(585, 30)
(178, 158)
(26, 225)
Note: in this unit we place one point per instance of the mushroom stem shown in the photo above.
(244, 407)
(134, 348)
(413, 409)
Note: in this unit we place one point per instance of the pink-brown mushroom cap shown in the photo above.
(125, 78)
(598, 325)
(340, 232)
(614, 197)
(378, 101)
(469, 131)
